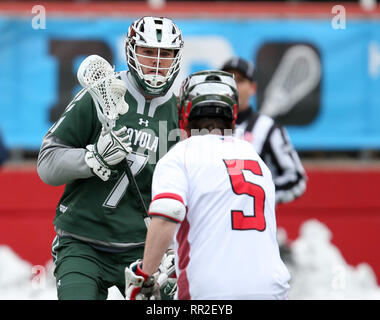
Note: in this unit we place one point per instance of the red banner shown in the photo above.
(344, 199)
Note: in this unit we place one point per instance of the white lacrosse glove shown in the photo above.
(167, 264)
(167, 278)
(140, 286)
(109, 150)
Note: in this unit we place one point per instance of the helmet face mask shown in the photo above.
(208, 94)
(154, 53)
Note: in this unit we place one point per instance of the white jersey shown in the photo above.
(226, 246)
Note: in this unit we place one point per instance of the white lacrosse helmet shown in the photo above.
(160, 33)
(209, 93)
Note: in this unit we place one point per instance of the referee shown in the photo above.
(270, 140)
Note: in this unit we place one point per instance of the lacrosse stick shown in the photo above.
(98, 78)
(297, 74)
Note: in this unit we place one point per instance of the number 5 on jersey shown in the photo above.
(240, 186)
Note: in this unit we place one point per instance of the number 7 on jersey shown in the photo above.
(240, 186)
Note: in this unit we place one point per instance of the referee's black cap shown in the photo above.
(245, 67)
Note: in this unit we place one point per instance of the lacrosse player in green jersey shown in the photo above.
(99, 218)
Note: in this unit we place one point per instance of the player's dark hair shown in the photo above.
(204, 125)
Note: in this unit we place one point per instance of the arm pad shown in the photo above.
(169, 208)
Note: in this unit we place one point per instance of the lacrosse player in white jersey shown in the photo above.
(215, 197)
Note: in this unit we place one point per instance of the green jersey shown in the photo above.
(109, 211)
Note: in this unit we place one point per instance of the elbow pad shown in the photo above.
(171, 208)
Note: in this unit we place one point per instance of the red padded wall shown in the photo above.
(345, 200)
(27, 208)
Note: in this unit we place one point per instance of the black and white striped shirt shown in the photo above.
(273, 144)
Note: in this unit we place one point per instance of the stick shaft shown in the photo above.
(136, 189)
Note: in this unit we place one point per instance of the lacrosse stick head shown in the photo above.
(156, 33)
(97, 76)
